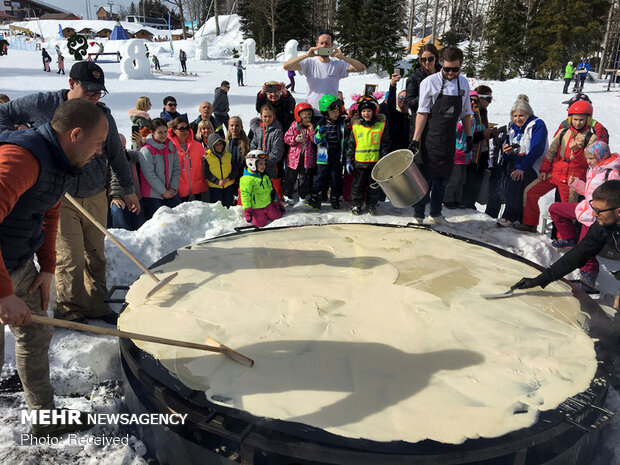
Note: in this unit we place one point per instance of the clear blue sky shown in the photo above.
(79, 6)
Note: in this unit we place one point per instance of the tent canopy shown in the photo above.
(119, 33)
(416, 46)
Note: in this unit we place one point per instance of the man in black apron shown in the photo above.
(444, 100)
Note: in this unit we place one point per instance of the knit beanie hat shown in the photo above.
(523, 105)
(599, 149)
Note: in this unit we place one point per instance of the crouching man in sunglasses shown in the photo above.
(605, 230)
(444, 100)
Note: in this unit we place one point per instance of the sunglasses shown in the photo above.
(488, 98)
(427, 59)
(171, 104)
(183, 128)
(474, 100)
(92, 93)
(402, 98)
(597, 211)
(447, 69)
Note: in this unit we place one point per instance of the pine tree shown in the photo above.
(505, 30)
(371, 30)
(471, 60)
(565, 30)
(291, 22)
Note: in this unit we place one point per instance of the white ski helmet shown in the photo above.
(252, 157)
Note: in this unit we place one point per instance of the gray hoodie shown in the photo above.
(37, 109)
(271, 141)
(153, 168)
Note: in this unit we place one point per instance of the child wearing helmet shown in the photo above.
(269, 138)
(301, 160)
(564, 159)
(329, 137)
(601, 131)
(367, 144)
(602, 166)
(258, 196)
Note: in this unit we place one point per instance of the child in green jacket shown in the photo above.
(258, 196)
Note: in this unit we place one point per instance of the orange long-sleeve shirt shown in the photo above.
(19, 171)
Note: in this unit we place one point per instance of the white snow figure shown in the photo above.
(135, 64)
(201, 48)
(249, 51)
(290, 50)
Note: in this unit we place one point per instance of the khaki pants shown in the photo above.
(80, 260)
(32, 343)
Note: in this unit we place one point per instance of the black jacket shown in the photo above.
(413, 87)
(593, 242)
(398, 124)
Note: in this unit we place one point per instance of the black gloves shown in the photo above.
(528, 283)
(414, 146)
(469, 143)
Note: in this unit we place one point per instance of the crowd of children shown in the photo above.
(316, 156)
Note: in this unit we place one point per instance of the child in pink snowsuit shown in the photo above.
(603, 166)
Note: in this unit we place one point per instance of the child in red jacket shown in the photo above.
(564, 159)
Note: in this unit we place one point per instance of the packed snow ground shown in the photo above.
(85, 368)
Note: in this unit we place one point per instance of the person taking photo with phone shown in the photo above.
(322, 73)
(522, 152)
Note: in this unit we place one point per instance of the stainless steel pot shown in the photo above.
(400, 178)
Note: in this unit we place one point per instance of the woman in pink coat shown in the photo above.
(192, 184)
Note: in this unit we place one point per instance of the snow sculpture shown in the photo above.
(290, 50)
(135, 65)
(248, 53)
(201, 48)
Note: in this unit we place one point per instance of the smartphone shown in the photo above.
(273, 87)
(399, 71)
(135, 128)
(325, 51)
(515, 146)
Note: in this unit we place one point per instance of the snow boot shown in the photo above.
(356, 211)
(314, 202)
(335, 203)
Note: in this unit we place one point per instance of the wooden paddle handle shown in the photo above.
(214, 347)
(123, 334)
(109, 235)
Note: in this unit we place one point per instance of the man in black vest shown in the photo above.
(81, 287)
(37, 167)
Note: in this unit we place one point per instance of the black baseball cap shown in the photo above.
(89, 74)
(576, 98)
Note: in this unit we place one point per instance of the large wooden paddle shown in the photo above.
(160, 282)
(211, 346)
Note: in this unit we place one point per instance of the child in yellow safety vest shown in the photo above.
(220, 171)
(367, 144)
